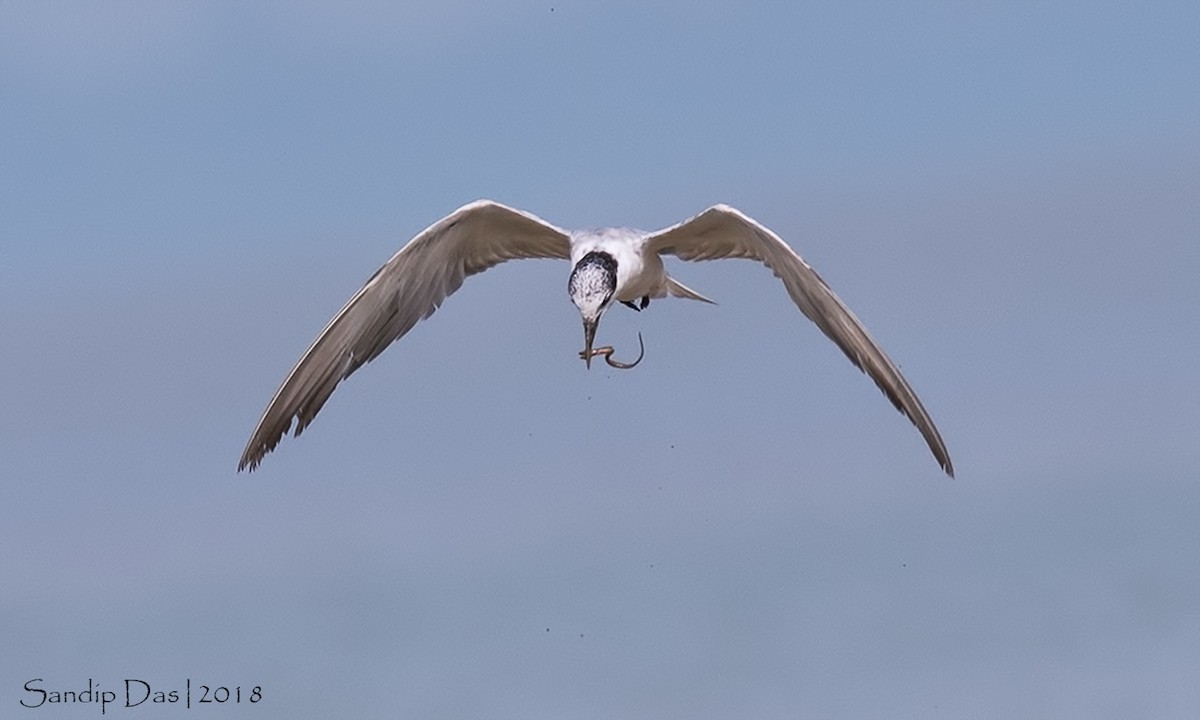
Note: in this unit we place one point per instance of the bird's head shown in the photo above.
(592, 286)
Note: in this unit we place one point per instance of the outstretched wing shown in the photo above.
(406, 290)
(724, 232)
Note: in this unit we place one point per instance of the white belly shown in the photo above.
(643, 277)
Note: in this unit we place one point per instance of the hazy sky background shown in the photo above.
(1007, 194)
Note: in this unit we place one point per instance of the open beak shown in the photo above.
(589, 336)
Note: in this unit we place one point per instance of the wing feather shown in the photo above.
(724, 232)
(405, 290)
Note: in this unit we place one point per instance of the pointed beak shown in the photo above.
(589, 336)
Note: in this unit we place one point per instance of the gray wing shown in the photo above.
(406, 290)
(724, 232)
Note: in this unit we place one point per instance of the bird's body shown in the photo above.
(638, 276)
(608, 265)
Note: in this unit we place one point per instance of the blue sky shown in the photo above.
(1006, 194)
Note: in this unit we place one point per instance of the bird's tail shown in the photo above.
(679, 290)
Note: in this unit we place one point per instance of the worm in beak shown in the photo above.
(607, 351)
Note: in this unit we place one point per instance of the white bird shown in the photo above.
(609, 264)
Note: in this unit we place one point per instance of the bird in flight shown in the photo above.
(607, 265)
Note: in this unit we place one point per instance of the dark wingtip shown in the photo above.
(248, 463)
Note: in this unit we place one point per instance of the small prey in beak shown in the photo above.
(607, 351)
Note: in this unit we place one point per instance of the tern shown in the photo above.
(607, 265)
